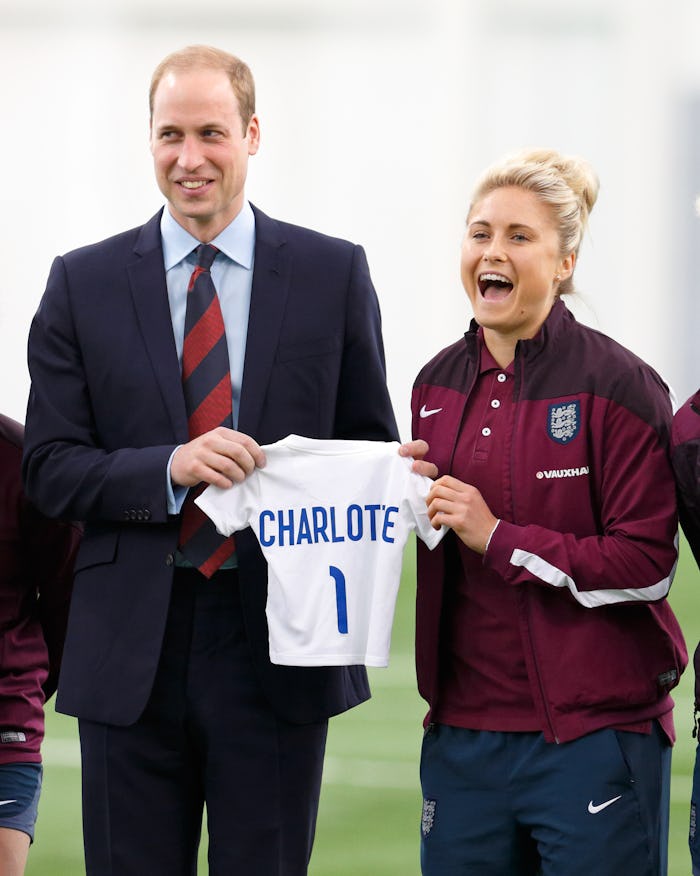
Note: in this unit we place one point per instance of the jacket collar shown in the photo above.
(150, 298)
(554, 327)
(268, 300)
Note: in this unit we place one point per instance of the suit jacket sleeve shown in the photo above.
(73, 467)
(364, 408)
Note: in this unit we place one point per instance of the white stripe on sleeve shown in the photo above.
(589, 598)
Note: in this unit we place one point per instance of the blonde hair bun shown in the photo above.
(567, 184)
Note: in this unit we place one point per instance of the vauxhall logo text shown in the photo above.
(563, 473)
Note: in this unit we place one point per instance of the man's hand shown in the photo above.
(221, 457)
(461, 507)
(418, 450)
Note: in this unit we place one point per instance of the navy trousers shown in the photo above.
(694, 832)
(208, 738)
(511, 804)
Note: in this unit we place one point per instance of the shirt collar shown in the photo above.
(486, 361)
(237, 240)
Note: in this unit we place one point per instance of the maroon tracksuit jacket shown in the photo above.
(685, 442)
(589, 537)
(36, 564)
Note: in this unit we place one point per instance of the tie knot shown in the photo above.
(206, 253)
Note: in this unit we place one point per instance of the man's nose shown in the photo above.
(191, 156)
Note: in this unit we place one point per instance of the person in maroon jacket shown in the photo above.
(546, 648)
(36, 563)
(685, 456)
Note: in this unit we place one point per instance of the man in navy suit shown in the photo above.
(168, 671)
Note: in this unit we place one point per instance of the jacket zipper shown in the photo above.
(519, 371)
(450, 467)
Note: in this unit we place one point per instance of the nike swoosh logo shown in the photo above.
(593, 809)
(5, 802)
(426, 413)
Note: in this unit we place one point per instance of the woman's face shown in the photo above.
(511, 264)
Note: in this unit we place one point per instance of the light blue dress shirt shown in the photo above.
(232, 273)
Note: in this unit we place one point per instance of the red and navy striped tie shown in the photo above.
(206, 382)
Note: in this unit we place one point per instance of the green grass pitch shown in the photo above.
(370, 806)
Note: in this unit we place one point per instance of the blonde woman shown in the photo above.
(545, 646)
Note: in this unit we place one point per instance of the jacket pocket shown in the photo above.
(305, 349)
(97, 549)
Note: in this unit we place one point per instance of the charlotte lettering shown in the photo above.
(289, 527)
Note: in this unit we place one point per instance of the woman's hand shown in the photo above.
(418, 449)
(461, 507)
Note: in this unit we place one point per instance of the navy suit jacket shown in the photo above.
(106, 410)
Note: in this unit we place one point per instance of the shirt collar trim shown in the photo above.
(237, 240)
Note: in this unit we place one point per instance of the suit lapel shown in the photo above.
(150, 297)
(271, 275)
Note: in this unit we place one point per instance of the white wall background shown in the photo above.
(377, 115)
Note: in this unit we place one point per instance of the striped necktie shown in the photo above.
(206, 382)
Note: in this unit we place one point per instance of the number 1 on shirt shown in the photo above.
(340, 598)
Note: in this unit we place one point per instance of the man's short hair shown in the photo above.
(210, 58)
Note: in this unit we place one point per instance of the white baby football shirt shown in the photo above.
(332, 518)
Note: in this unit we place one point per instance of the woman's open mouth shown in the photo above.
(494, 287)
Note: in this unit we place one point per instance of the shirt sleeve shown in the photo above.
(417, 489)
(175, 495)
(230, 509)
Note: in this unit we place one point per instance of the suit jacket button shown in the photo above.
(139, 515)
(146, 514)
(132, 515)
(170, 559)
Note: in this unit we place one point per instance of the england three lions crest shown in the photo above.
(564, 421)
